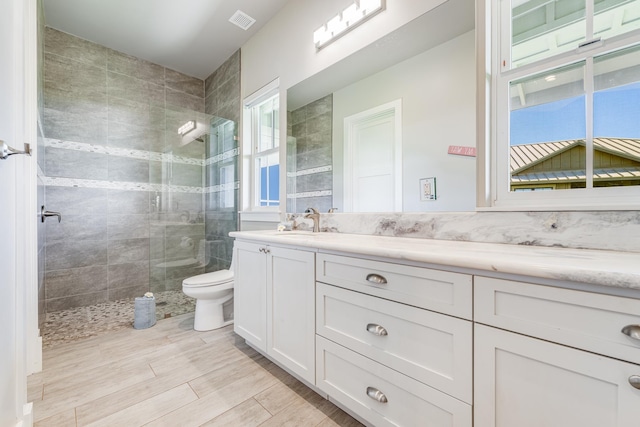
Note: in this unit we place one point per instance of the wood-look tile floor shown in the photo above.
(171, 375)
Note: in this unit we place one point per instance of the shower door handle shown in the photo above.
(44, 214)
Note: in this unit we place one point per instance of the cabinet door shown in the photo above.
(291, 310)
(526, 382)
(250, 293)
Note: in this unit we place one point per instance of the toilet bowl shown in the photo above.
(211, 291)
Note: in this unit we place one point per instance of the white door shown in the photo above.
(18, 112)
(526, 382)
(373, 160)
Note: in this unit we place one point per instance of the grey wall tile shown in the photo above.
(314, 158)
(77, 227)
(315, 182)
(69, 46)
(230, 110)
(132, 226)
(76, 200)
(61, 162)
(320, 107)
(134, 89)
(192, 202)
(83, 300)
(136, 113)
(229, 91)
(74, 88)
(229, 69)
(128, 170)
(181, 82)
(156, 249)
(128, 250)
(320, 124)
(157, 278)
(127, 202)
(179, 230)
(184, 100)
(298, 116)
(211, 104)
(129, 275)
(135, 67)
(189, 175)
(123, 135)
(128, 293)
(65, 254)
(74, 281)
(183, 273)
(83, 127)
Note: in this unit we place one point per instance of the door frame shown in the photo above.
(22, 64)
(350, 125)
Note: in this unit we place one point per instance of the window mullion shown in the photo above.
(589, 88)
(589, 16)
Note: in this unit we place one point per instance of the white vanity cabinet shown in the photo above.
(382, 350)
(548, 356)
(275, 304)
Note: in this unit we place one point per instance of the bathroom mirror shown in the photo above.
(415, 86)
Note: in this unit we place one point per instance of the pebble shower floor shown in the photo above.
(83, 322)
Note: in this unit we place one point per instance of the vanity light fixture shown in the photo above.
(187, 127)
(345, 21)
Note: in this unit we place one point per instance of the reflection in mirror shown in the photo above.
(432, 74)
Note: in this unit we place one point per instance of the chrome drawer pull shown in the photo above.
(634, 380)
(377, 330)
(376, 278)
(632, 331)
(376, 394)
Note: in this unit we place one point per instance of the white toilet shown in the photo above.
(211, 291)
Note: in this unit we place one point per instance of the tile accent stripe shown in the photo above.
(302, 172)
(136, 186)
(310, 194)
(222, 157)
(122, 152)
(223, 187)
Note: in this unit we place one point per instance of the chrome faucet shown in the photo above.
(315, 216)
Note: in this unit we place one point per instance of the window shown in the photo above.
(565, 99)
(262, 153)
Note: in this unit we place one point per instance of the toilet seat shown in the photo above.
(215, 278)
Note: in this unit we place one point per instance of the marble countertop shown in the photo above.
(597, 267)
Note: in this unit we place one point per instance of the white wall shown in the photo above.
(437, 89)
(284, 46)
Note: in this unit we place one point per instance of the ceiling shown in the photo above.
(190, 36)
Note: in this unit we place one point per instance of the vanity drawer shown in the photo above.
(432, 348)
(441, 291)
(358, 383)
(579, 319)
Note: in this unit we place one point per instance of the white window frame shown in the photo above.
(493, 186)
(250, 180)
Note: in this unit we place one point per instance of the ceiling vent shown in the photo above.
(242, 20)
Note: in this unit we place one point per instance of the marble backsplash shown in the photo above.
(606, 230)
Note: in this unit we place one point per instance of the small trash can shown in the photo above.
(144, 314)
